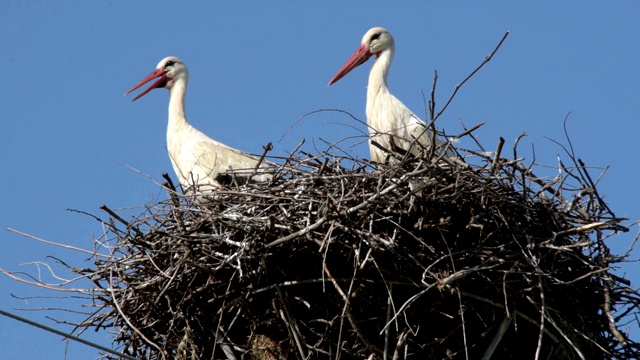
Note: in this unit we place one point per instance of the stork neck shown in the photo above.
(177, 96)
(379, 73)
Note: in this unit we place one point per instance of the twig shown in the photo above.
(117, 217)
(455, 91)
(298, 233)
(504, 325)
(65, 246)
(292, 324)
(496, 156)
(126, 319)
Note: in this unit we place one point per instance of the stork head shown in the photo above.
(374, 42)
(168, 71)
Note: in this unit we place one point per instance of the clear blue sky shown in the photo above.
(69, 137)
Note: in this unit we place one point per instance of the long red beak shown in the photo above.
(158, 84)
(358, 58)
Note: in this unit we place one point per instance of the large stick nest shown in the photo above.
(408, 261)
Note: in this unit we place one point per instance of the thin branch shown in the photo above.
(455, 91)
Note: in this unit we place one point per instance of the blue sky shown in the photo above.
(70, 139)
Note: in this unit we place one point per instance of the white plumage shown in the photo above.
(196, 158)
(388, 118)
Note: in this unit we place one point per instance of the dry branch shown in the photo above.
(406, 261)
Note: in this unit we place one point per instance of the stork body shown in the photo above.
(199, 162)
(388, 118)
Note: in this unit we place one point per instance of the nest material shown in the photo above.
(408, 261)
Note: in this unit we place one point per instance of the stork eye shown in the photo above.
(169, 63)
(376, 36)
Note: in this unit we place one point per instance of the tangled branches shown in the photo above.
(406, 261)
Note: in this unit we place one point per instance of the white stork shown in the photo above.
(197, 159)
(388, 118)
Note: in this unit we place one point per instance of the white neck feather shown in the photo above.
(177, 96)
(378, 74)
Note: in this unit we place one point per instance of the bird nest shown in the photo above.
(336, 259)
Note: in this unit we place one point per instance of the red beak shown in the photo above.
(358, 58)
(158, 84)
